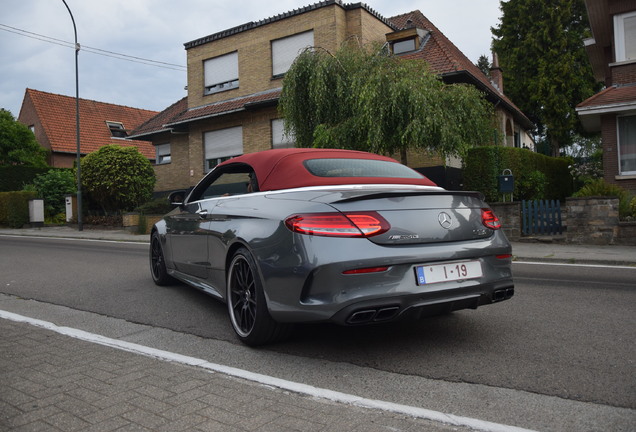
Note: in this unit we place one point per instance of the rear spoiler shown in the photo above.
(380, 195)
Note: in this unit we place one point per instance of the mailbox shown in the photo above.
(506, 183)
(71, 207)
(36, 212)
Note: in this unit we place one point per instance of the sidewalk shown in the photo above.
(522, 251)
(52, 382)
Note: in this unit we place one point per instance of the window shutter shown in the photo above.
(285, 50)
(221, 69)
(224, 143)
(279, 139)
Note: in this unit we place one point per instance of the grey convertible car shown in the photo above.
(317, 235)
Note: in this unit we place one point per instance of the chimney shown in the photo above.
(496, 74)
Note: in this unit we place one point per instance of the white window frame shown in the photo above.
(221, 145)
(162, 154)
(117, 129)
(221, 73)
(620, 40)
(619, 146)
(285, 50)
(279, 138)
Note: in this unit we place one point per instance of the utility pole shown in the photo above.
(80, 225)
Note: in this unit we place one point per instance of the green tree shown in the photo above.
(547, 72)
(18, 145)
(361, 98)
(483, 64)
(53, 186)
(117, 178)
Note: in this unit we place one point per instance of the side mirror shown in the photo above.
(176, 198)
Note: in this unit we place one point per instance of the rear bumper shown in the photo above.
(419, 306)
(317, 289)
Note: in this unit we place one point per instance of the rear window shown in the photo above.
(359, 168)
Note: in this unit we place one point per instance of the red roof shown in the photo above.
(156, 123)
(445, 58)
(284, 168)
(226, 106)
(614, 95)
(57, 116)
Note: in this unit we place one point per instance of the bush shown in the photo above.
(14, 208)
(117, 178)
(103, 220)
(14, 177)
(157, 206)
(53, 187)
(483, 166)
(601, 188)
(532, 186)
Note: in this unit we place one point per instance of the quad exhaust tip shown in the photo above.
(503, 294)
(373, 315)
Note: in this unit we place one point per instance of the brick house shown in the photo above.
(51, 117)
(612, 111)
(235, 80)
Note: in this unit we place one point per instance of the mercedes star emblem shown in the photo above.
(445, 220)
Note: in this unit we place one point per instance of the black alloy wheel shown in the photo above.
(246, 302)
(158, 263)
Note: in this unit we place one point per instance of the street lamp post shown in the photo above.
(80, 225)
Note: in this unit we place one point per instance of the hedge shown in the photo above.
(15, 177)
(14, 208)
(484, 165)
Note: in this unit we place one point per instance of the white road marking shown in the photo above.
(267, 380)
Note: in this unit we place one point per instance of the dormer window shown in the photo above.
(403, 46)
(406, 40)
(117, 129)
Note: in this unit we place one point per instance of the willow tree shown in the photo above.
(363, 99)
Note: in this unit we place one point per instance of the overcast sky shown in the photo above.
(157, 30)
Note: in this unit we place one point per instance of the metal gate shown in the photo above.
(541, 217)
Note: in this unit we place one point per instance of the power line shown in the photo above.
(92, 50)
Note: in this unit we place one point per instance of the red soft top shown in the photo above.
(284, 169)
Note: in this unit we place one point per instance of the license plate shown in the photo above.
(430, 274)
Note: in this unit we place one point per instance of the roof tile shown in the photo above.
(611, 96)
(226, 106)
(58, 118)
(444, 57)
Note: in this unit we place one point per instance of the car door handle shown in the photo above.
(203, 213)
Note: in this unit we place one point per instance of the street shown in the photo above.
(567, 334)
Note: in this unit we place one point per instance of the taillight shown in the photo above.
(489, 219)
(353, 224)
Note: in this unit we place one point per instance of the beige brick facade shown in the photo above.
(251, 102)
(173, 175)
(332, 25)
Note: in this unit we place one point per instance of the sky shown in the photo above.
(156, 30)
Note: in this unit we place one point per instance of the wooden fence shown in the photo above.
(541, 217)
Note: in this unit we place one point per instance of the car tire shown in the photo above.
(158, 262)
(247, 306)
